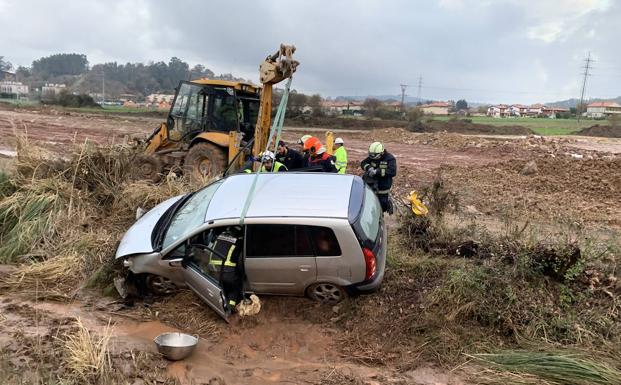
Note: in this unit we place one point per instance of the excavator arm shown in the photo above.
(274, 69)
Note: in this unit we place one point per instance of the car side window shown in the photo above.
(278, 241)
(325, 241)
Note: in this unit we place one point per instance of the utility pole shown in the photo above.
(587, 67)
(420, 86)
(103, 88)
(403, 88)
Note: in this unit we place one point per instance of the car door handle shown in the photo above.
(305, 267)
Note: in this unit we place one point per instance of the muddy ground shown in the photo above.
(293, 340)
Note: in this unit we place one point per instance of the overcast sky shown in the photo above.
(490, 51)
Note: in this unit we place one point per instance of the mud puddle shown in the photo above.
(268, 350)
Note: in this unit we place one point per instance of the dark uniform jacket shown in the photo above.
(325, 160)
(386, 169)
(292, 159)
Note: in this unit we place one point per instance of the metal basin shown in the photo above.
(175, 346)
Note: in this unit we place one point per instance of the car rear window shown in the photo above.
(367, 224)
(290, 240)
(325, 241)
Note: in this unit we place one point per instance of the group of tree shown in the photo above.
(299, 104)
(131, 78)
(5, 65)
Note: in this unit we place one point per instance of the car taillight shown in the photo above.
(369, 261)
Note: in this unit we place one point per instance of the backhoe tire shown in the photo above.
(204, 161)
(147, 167)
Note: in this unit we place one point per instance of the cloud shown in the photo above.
(501, 50)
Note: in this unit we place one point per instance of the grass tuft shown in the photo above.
(88, 358)
(550, 367)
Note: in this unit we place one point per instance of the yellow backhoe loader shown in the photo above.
(211, 121)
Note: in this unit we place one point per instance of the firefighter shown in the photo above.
(318, 155)
(379, 169)
(271, 164)
(289, 157)
(340, 154)
(305, 154)
(228, 246)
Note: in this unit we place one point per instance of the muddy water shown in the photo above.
(272, 350)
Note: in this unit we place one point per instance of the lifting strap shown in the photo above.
(279, 121)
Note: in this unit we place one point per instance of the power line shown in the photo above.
(587, 67)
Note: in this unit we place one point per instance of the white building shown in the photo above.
(159, 98)
(51, 90)
(603, 109)
(498, 111)
(13, 88)
(343, 108)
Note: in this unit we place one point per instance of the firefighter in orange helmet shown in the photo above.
(319, 156)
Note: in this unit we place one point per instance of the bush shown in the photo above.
(67, 99)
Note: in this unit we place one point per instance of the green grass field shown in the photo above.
(21, 102)
(541, 126)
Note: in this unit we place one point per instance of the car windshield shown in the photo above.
(190, 215)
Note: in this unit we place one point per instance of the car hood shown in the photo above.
(137, 240)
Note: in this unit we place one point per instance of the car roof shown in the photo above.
(287, 194)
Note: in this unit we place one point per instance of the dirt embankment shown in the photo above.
(582, 189)
(59, 129)
(601, 130)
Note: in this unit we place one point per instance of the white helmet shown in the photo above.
(338, 141)
(267, 155)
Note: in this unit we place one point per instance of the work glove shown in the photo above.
(371, 172)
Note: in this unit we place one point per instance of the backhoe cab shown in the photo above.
(211, 120)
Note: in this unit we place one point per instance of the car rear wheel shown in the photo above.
(159, 285)
(325, 292)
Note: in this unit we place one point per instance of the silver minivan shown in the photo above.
(315, 234)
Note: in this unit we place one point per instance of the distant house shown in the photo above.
(518, 110)
(436, 108)
(343, 107)
(603, 109)
(498, 111)
(50, 90)
(158, 98)
(550, 112)
(13, 88)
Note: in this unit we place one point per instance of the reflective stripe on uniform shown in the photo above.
(383, 166)
(276, 167)
(227, 262)
(341, 159)
(382, 192)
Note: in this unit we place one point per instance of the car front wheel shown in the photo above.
(159, 285)
(325, 292)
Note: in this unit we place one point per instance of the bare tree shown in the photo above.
(372, 105)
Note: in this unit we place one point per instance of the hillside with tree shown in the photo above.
(137, 79)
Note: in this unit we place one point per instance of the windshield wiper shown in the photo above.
(161, 227)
